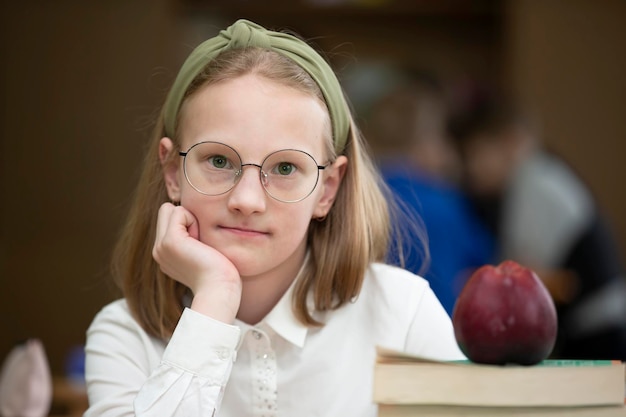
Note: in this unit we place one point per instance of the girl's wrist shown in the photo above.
(220, 303)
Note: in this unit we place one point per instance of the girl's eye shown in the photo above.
(219, 161)
(285, 168)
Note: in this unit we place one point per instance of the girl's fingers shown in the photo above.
(183, 221)
(175, 221)
(176, 248)
(163, 221)
(170, 229)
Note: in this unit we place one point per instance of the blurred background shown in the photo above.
(81, 81)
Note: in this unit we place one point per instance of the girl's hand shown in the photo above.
(212, 278)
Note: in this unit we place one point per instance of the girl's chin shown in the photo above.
(246, 264)
(253, 261)
(257, 265)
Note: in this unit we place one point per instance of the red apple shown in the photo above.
(505, 314)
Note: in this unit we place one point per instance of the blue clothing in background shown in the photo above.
(458, 240)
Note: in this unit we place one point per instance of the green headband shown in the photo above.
(244, 34)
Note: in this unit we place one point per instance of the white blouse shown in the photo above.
(278, 367)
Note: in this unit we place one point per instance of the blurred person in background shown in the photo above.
(406, 127)
(544, 216)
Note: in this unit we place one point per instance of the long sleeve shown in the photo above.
(132, 374)
(431, 332)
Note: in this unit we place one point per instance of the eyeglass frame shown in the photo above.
(239, 172)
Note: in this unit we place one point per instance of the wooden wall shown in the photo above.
(567, 58)
(78, 81)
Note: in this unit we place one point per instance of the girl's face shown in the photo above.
(256, 117)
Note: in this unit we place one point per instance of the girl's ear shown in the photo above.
(171, 171)
(331, 182)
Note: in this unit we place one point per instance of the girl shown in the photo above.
(250, 259)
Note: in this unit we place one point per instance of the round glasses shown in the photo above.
(214, 168)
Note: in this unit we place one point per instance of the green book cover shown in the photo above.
(550, 363)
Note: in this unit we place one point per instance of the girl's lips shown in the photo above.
(242, 231)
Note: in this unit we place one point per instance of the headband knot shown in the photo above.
(244, 34)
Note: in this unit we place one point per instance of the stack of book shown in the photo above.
(406, 386)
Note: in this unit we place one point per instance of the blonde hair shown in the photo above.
(355, 232)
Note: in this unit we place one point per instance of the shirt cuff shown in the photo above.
(202, 345)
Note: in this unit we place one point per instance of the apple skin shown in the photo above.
(503, 315)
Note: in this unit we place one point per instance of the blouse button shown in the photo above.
(256, 334)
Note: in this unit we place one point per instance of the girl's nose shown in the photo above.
(248, 196)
